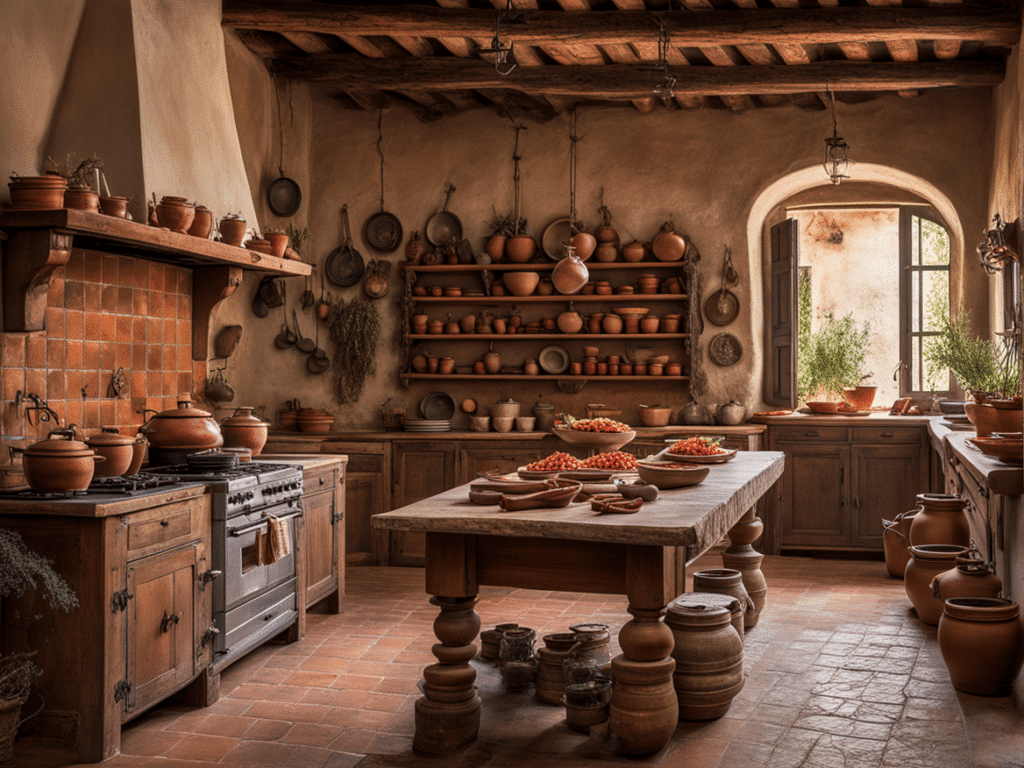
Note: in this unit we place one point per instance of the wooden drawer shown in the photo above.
(160, 528)
(809, 433)
(320, 479)
(887, 434)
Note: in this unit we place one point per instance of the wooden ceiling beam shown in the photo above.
(619, 81)
(996, 22)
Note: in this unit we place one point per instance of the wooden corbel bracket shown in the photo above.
(210, 286)
(30, 257)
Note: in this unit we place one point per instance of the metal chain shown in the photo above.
(380, 138)
(517, 177)
(573, 139)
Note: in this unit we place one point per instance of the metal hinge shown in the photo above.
(206, 577)
(119, 600)
(168, 620)
(337, 517)
(208, 637)
(121, 690)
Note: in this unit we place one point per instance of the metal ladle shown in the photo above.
(318, 362)
(286, 338)
(304, 344)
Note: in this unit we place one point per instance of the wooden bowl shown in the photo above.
(609, 441)
(655, 415)
(665, 475)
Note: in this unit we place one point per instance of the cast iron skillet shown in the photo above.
(284, 196)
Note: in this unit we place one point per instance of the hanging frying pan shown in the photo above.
(344, 265)
(443, 225)
(383, 231)
(283, 196)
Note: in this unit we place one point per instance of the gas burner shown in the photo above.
(129, 484)
(30, 495)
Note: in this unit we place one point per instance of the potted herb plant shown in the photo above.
(20, 571)
(79, 174)
(830, 360)
(501, 227)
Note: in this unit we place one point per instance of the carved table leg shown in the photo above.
(644, 709)
(742, 557)
(448, 713)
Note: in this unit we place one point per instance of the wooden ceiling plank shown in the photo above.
(624, 81)
(258, 43)
(630, 5)
(718, 56)
(946, 49)
(308, 42)
(417, 46)
(996, 22)
(856, 51)
(457, 46)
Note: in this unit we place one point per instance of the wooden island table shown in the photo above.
(642, 555)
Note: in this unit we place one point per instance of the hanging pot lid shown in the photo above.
(383, 231)
(284, 196)
(344, 265)
(722, 307)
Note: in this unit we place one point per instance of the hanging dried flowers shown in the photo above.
(355, 329)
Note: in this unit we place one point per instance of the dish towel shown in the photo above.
(277, 541)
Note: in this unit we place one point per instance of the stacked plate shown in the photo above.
(428, 425)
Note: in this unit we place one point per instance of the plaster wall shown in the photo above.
(704, 169)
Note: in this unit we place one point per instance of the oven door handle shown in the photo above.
(256, 526)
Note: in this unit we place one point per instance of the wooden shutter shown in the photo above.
(781, 378)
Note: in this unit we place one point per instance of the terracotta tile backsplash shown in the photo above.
(104, 313)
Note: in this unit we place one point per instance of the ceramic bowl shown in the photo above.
(823, 407)
(506, 409)
(655, 415)
(521, 283)
(503, 423)
(480, 423)
(525, 423)
(665, 475)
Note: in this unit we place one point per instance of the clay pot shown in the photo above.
(139, 446)
(59, 464)
(709, 658)
(896, 541)
(988, 419)
(655, 415)
(175, 214)
(570, 322)
(669, 325)
(570, 275)
(982, 644)
(243, 430)
(202, 224)
(633, 252)
(972, 577)
(611, 324)
(594, 644)
(649, 324)
(495, 247)
(82, 199)
(38, 192)
(861, 397)
(176, 432)
(114, 206)
(731, 414)
(586, 704)
(644, 710)
(726, 581)
(446, 365)
(928, 561)
(531, 367)
(519, 249)
(499, 325)
(278, 242)
(505, 409)
(545, 287)
(585, 245)
(607, 234)
(521, 283)
(468, 324)
(115, 448)
(668, 246)
(941, 520)
(606, 253)
(452, 328)
(594, 322)
(490, 641)
(492, 362)
(545, 415)
(435, 326)
(232, 229)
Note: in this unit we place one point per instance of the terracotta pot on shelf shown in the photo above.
(232, 229)
(611, 324)
(175, 213)
(606, 253)
(202, 223)
(495, 247)
(492, 362)
(668, 246)
(278, 243)
(244, 430)
(982, 644)
(594, 322)
(570, 322)
(37, 192)
(82, 199)
(988, 419)
(633, 252)
(519, 249)
(114, 206)
(570, 275)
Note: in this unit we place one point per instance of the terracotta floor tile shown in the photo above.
(312, 734)
(225, 725)
(203, 748)
(285, 710)
(267, 730)
(140, 741)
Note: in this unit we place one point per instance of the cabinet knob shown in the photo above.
(165, 523)
(322, 481)
(887, 434)
(810, 434)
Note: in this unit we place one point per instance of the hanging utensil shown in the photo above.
(723, 306)
(285, 338)
(443, 226)
(344, 265)
(284, 195)
(323, 304)
(303, 343)
(376, 284)
(383, 230)
(307, 295)
(318, 362)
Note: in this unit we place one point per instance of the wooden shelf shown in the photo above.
(589, 298)
(538, 377)
(541, 266)
(41, 241)
(542, 336)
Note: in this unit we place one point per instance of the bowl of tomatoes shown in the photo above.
(606, 434)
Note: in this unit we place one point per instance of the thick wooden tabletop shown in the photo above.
(697, 516)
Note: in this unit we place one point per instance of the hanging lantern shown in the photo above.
(836, 160)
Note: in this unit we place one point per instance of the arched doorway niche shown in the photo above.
(872, 179)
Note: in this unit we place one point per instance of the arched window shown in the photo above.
(924, 296)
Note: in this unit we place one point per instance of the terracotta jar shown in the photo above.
(982, 644)
(594, 643)
(531, 367)
(586, 704)
(570, 321)
(896, 541)
(988, 419)
(972, 577)
(175, 213)
(202, 224)
(726, 581)
(499, 325)
(177, 432)
(545, 415)
(585, 245)
(606, 253)
(926, 562)
(467, 323)
(82, 198)
(452, 327)
(594, 322)
(611, 324)
(446, 365)
(490, 640)
(570, 275)
(633, 252)
(435, 326)
(709, 658)
(941, 520)
(114, 206)
(139, 446)
(232, 229)
(59, 464)
(668, 246)
(492, 362)
(545, 287)
(644, 710)
(243, 430)
(278, 243)
(589, 367)
(37, 192)
(736, 608)
(550, 683)
(115, 448)
(495, 247)
(519, 249)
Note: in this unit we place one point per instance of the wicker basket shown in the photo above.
(10, 719)
(393, 416)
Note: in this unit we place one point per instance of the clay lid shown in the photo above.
(183, 411)
(698, 612)
(109, 436)
(59, 443)
(244, 418)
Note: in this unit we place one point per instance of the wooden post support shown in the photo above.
(742, 557)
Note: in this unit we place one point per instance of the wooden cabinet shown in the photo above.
(501, 457)
(323, 514)
(140, 632)
(420, 469)
(467, 348)
(840, 482)
(367, 485)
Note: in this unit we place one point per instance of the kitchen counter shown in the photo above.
(107, 505)
(642, 433)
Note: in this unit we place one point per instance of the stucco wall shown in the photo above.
(705, 169)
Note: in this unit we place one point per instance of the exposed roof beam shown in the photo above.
(996, 22)
(618, 81)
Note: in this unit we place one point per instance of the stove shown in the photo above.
(105, 489)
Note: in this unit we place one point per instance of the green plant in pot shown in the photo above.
(830, 360)
(22, 570)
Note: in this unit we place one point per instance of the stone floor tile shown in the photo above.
(746, 754)
(202, 747)
(843, 726)
(267, 730)
(695, 753)
(850, 752)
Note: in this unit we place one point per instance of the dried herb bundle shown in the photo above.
(355, 329)
(79, 173)
(20, 568)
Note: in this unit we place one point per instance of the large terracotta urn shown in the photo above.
(982, 644)
(940, 520)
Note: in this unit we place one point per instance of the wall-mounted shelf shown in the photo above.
(614, 298)
(545, 266)
(38, 242)
(563, 337)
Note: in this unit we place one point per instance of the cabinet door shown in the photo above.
(420, 470)
(815, 495)
(886, 481)
(161, 625)
(321, 545)
(476, 457)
